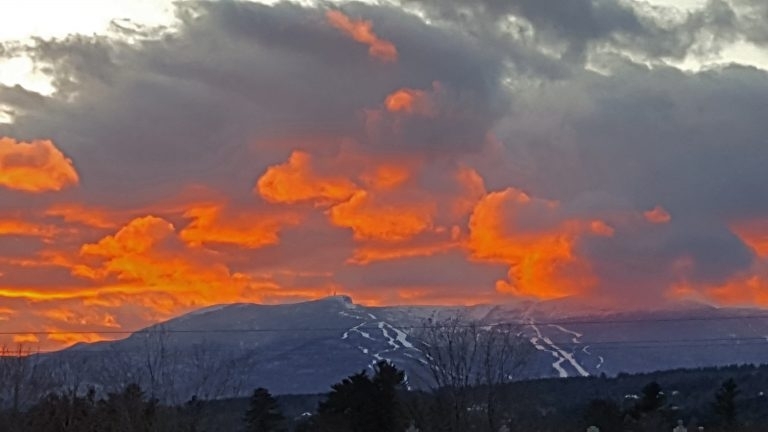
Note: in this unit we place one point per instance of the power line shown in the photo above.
(573, 347)
(161, 330)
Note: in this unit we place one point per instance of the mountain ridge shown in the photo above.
(305, 347)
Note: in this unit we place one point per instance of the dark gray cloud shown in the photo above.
(693, 143)
(149, 115)
(577, 28)
(575, 22)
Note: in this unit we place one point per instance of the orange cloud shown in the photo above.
(25, 339)
(658, 215)
(61, 337)
(362, 31)
(749, 288)
(410, 101)
(146, 266)
(381, 200)
(36, 166)
(24, 228)
(418, 295)
(743, 290)
(147, 254)
(542, 257)
(387, 176)
(81, 317)
(372, 252)
(373, 218)
(471, 191)
(600, 228)
(210, 224)
(296, 181)
(399, 221)
(754, 233)
(139, 236)
(78, 214)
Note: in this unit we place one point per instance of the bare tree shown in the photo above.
(211, 375)
(159, 363)
(23, 377)
(468, 363)
(168, 372)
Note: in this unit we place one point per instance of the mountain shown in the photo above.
(228, 350)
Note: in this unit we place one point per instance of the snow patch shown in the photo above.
(401, 337)
(390, 339)
(558, 353)
(576, 335)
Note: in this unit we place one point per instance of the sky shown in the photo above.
(156, 158)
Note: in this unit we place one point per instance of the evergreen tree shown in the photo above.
(360, 403)
(263, 413)
(650, 414)
(653, 398)
(388, 381)
(129, 411)
(348, 407)
(725, 402)
(605, 415)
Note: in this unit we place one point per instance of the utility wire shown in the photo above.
(573, 347)
(159, 329)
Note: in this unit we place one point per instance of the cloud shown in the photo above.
(149, 253)
(381, 199)
(362, 31)
(575, 31)
(296, 181)
(373, 218)
(257, 153)
(754, 233)
(433, 120)
(78, 214)
(19, 227)
(410, 101)
(657, 215)
(36, 166)
(213, 223)
(536, 240)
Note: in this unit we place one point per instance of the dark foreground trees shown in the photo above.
(263, 413)
(650, 413)
(725, 404)
(361, 403)
(653, 411)
(377, 400)
(125, 411)
(604, 414)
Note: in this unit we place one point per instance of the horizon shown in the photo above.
(161, 157)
